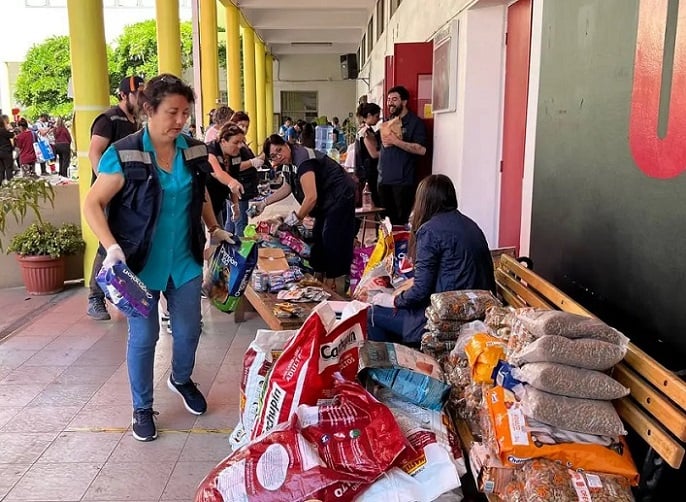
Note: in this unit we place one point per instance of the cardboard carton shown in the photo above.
(271, 260)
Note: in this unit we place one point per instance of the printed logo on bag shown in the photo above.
(274, 405)
(331, 353)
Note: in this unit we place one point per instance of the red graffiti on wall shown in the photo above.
(658, 157)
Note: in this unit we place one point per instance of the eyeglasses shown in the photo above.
(277, 154)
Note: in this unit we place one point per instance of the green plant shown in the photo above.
(20, 196)
(45, 239)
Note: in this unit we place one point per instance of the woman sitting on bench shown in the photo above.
(449, 252)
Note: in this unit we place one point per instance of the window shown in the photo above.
(394, 6)
(370, 36)
(299, 105)
(380, 17)
(363, 51)
(359, 57)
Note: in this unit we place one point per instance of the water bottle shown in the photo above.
(367, 197)
(323, 138)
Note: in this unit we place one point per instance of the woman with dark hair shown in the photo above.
(367, 148)
(222, 186)
(147, 208)
(62, 146)
(325, 192)
(449, 252)
(307, 135)
(245, 172)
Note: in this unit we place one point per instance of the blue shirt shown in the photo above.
(396, 166)
(170, 249)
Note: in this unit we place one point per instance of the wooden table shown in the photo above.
(366, 215)
(263, 304)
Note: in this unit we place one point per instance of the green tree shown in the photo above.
(42, 81)
(135, 51)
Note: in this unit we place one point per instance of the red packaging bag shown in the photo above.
(304, 373)
(281, 466)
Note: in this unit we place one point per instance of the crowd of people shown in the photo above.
(18, 155)
(158, 192)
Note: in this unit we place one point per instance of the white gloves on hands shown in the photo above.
(384, 300)
(114, 255)
(236, 187)
(235, 212)
(292, 219)
(219, 235)
(257, 162)
(362, 131)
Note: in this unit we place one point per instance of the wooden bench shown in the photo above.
(656, 406)
(263, 304)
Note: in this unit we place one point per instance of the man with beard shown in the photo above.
(112, 125)
(398, 157)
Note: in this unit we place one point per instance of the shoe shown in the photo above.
(193, 400)
(97, 309)
(143, 425)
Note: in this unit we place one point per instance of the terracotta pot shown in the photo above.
(43, 275)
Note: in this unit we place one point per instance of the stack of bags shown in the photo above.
(446, 315)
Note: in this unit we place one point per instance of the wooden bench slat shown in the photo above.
(665, 380)
(651, 432)
(529, 296)
(652, 400)
(510, 298)
(543, 287)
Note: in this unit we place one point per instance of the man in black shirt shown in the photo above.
(112, 125)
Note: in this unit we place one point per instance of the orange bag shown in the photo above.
(515, 444)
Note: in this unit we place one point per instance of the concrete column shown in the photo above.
(209, 59)
(260, 93)
(168, 37)
(91, 94)
(233, 57)
(249, 83)
(269, 101)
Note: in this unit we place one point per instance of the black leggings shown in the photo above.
(63, 153)
(6, 167)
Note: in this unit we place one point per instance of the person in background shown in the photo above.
(45, 129)
(398, 158)
(62, 147)
(325, 192)
(113, 124)
(222, 186)
(293, 133)
(6, 149)
(449, 252)
(221, 116)
(27, 155)
(307, 135)
(285, 126)
(147, 208)
(367, 148)
(246, 173)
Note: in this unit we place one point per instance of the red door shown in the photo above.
(514, 123)
(410, 65)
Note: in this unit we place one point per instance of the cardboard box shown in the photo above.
(271, 260)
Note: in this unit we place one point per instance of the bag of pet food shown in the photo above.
(124, 289)
(228, 273)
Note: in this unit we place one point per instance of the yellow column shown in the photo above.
(249, 83)
(168, 37)
(260, 94)
(91, 94)
(209, 60)
(233, 56)
(269, 101)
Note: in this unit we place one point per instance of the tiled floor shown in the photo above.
(65, 407)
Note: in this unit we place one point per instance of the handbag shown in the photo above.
(42, 149)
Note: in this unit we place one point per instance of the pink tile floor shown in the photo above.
(65, 407)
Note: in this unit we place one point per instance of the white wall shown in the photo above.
(467, 142)
(315, 72)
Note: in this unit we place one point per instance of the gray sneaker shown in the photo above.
(97, 309)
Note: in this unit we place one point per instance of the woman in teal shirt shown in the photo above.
(146, 208)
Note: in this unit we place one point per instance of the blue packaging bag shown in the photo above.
(228, 273)
(125, 290)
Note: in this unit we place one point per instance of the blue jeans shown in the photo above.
(387, 325)
(239, 227)
(183, 304)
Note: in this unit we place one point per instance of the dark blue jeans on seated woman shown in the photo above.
(387, 325)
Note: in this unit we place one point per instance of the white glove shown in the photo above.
(362, 131)
(259, 207)
(236, 187)
(292, 219)
(114, 255)
(384, 300)
(257, 162)
(219, 235)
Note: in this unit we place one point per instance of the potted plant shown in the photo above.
(40, 247)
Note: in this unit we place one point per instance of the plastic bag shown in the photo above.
(228, 273)
(125, 290)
